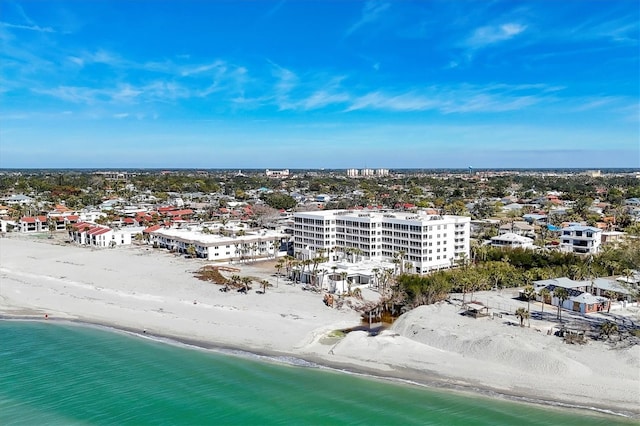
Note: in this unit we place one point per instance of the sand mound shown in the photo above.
(441, 326)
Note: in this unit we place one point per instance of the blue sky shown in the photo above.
(311, 84)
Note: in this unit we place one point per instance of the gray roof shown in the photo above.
(599, 283)
(576, 227)
(588, 298)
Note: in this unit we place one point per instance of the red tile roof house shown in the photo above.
(178, 214)
(94, 235)
(33, 224)
(103, 236)
(129, 221)
(28, 224)
(62, 220)
(99, 236)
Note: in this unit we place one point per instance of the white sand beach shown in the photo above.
(152, 291)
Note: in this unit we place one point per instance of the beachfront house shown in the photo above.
(584, 296)
(90, 234)
(511, 241)
(580, 239)
(33, 224)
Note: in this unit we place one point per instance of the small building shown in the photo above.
(518, 228)
(587, 303)
(511, 240)
(613, 237)
(579, 298)
(476, 310)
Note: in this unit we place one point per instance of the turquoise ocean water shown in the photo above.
(62, 374)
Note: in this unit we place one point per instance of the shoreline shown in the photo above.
(434, 382)
(134, 289)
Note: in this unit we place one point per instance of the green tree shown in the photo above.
(245, 282)
(456, 207)
(529, 293)
(279, 201)
(52, 227)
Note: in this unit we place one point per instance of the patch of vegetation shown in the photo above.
(211, 274)
(337, 334)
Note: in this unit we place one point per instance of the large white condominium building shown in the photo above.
(428, 242)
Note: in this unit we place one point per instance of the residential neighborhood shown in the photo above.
(357, 228)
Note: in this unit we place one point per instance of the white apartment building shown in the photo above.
(102, 236)
(367, 172)
(277, 173)
(429, 242)
(252, 246)
(580, 239)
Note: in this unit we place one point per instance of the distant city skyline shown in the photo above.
(320, 84)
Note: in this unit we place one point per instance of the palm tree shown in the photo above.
(191, 251)
(246, 281)
(408, 266)
(544, 294)
(235, 280)
(522, 314)
(611, 295)
(279, 266)
(529, 293)
(264, 284)
(396, 268)
(52, 227)
(343, 275)
(288, 264)
(375, 272)
(400, 255)
(562, 294)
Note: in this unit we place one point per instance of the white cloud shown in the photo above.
(322, 99)
(30, 27)
(371, 12)
(487, 35)
(199, 69)
(382, 101)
